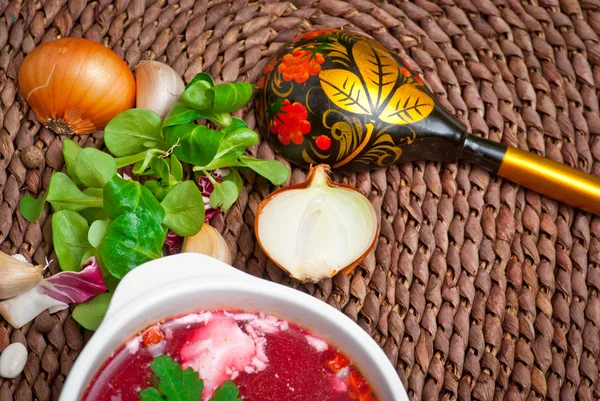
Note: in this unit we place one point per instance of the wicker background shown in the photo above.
(477, 289)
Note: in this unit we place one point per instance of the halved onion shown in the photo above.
(317, 228)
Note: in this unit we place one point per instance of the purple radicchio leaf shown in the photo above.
(173, 242)
(207, 187)
(54, 293)
(127, 172)
(75, 287)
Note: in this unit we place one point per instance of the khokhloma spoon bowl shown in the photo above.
(342, 99)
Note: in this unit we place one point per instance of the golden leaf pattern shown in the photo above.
(338, 53)
(408, 105)
(383, 152)
(378, 69)
(364, 106)
(368, 131)
(345, 90)
(345, 129)
(307, 157)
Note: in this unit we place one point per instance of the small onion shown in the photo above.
(76, 86)
(317, 228)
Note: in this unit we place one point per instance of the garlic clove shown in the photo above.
(18, 276)
(13, 360)
(317, 228)
(158, 87)
(209, 242)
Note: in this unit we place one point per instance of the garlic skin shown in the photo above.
(315, 229)
(17, 276)
(158, 87)
(13, 360)
(209, 242)
(20, 257)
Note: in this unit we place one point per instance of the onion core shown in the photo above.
(316, 229)
(76, 86)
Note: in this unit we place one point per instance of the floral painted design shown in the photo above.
(267, 70)
(323, 142)
(406, 64)
(270, 66)
(408, 73)
(339, 98)
(313, 34)
(321, 32)
(290, 123)
(300, 65)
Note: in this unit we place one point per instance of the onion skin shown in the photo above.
(305, 184)
(76, 86)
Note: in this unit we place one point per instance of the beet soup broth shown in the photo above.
(267, 358)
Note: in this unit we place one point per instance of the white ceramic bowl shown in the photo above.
(188, 282)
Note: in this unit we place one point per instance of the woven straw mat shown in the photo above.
(477, 289)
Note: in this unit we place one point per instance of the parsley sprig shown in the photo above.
(176, 384)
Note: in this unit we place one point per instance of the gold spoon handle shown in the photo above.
(540, 174)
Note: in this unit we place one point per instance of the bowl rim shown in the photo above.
(115, 325)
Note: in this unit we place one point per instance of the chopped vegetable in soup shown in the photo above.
(266, 358)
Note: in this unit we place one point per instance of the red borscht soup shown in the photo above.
(267, 358)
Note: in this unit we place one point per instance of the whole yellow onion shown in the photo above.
(76, 86)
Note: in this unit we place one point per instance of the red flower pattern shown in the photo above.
(321, 32)
(261, 82)
(313, 34)
(323, 142)
(300, 65)
(407, 72)
(270, 66)
(290, 124)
